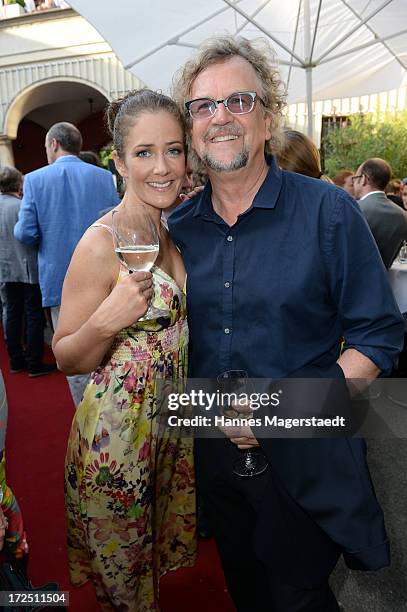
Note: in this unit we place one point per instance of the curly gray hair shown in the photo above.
(260, 56)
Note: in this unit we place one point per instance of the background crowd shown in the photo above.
(31, 6)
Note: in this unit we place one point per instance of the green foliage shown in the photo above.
(367, 136)
(105, 154)
(20, 2)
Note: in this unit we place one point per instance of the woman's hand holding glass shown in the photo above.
(126, 304)
(137, 244)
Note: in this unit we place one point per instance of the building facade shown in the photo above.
(54, 66)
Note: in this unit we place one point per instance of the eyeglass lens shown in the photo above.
(237, 103)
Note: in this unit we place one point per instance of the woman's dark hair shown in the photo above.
(123, 112)
(11, 179)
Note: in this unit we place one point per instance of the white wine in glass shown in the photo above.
(139, 257)
(137, 244)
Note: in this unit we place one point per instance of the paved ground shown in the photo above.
(386, 590)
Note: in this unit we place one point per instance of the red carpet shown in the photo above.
(40, 414)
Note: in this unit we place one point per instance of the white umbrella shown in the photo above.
(343, 47)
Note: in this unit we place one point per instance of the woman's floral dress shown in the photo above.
(130, 496)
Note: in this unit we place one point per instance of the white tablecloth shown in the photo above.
(398, 282)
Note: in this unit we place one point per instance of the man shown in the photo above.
(273, 286)
(60, 202)
(387, 221)
(19, 273)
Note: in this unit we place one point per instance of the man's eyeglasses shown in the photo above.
(357, 176)
(238, 103)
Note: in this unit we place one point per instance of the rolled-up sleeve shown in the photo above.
(27, 229)
(370, 318)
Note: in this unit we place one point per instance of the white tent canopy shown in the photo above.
(325, 48)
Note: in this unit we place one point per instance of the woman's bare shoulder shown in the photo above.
(98, 237)
(95, 250)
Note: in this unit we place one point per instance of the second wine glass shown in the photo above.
(402, 256)
(251, 462)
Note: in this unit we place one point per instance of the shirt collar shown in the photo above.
(64, 158)
(369, 194)
(266, 197)
(10, 195)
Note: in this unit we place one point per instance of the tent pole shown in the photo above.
(308, 69)
(308, 77)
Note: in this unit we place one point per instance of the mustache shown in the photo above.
(212, 132)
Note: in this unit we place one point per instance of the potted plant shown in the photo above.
(14, 8)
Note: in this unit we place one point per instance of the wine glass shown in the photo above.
(402, 257)
(137, 244)
(252, 461)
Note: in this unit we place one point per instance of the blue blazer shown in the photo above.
(60, 202)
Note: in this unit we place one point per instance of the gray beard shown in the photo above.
(217, 166)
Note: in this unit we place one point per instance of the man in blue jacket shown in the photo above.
(60, 202)
(281, 269)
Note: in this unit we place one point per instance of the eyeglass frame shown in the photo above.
(254, 95)
(357, 176)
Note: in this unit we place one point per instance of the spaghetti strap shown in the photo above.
(110, 230)
(107, 227)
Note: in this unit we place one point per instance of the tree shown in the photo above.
(367, 136)
(20, 2)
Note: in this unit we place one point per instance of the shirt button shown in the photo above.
(227, 285)
(229, 238)
(227, 330)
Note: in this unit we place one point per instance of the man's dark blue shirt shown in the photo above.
(278, 290)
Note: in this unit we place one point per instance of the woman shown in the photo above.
(129, 492)
(344, 179)
(299, 154)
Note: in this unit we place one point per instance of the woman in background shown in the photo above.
(344, 179)
(299, 154)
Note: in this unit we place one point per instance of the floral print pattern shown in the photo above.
(15, 543)
(130, 497)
